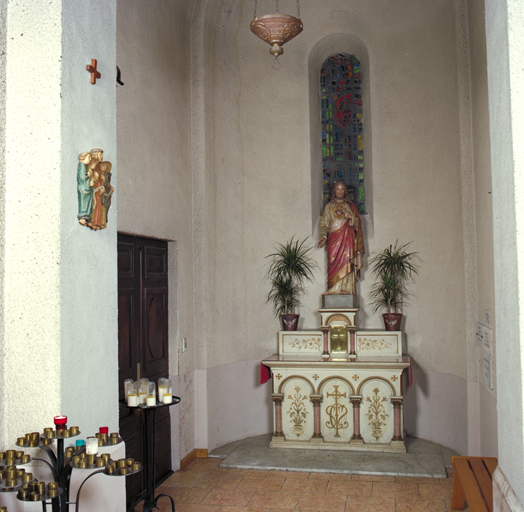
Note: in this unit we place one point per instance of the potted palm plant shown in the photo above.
(291, 266)
(392, 267)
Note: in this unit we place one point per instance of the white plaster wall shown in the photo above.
(485, 297)
(154, 128)
(88, 280)
(31, 236)
(238, 405)
(261, 159)
(57, 274)
(3, 101)
(426, 417)
(258, 157)
(58, 278)
(504, 42)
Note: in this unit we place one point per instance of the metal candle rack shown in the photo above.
(148, 494)
(61, 464)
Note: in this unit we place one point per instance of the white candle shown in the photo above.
(151, 400)
(161, 391)
(91, 446)
(132, 400)
(168, 398)
(143, 397)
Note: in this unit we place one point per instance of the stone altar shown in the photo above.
(338, 388)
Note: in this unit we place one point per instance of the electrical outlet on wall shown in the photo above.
(184, 344)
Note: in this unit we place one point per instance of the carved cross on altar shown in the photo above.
(94, 72)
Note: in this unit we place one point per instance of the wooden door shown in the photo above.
(143, 344)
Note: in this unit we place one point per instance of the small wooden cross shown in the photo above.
(94, 73)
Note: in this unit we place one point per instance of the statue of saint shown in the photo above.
(105, 167)
(98, 188)
(341, 229)
(85, 189)
(94, 189)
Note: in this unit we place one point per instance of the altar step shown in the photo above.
(422, 459)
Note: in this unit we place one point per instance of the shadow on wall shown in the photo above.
(415, 385)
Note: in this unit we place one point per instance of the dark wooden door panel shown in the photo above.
(143, 340)
(127, 360)
(155, 262)
(155, 330)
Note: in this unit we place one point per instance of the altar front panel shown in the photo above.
(335, 394)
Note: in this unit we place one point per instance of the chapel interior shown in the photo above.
(219, 154)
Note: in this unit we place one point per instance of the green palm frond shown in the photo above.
(290, 268)
(392, 267)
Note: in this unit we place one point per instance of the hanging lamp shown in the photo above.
(276, 29)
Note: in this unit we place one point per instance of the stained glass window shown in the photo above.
(342, 138)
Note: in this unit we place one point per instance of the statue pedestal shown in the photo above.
(339, 301)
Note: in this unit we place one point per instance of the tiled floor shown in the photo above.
(205, 487)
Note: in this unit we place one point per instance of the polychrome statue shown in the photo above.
(94, 189)
(85, 189)
(341, 230)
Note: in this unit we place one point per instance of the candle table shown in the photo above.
(148, 494)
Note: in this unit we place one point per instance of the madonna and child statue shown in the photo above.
(341, 233)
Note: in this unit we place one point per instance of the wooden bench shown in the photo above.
(473, 483)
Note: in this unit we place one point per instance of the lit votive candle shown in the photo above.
(168, 398)
(91, 446)
(151, 400)
(132, 400)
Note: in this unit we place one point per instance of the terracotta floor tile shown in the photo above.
(340, 477)
(242, 509)
(187, 507)
(186, 494)
(364, 504)
(229, 498)
(289, 474)
(320, 476)
(434, 492)
(248, 472)
(415, 505)
(164, 505)
(180, 479)
(322, 503)
(257, 483)
(305, 486)
(393, 490)
(218, 481)
(201, 462)
(372, 478)
(205, 466)
(446, 481)
(263, 499)
(349, 488)
(417, 480)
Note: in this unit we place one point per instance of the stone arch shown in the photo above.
(281, 385)
(376, 377)
(331, 377)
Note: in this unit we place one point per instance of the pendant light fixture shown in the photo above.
(276, 29)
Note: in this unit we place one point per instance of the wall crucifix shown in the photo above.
(94, 72)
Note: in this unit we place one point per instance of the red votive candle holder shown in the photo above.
(60, 422)
(103, 430)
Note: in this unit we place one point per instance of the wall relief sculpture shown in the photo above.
(94, 189)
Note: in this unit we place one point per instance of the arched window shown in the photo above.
(341, 113)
